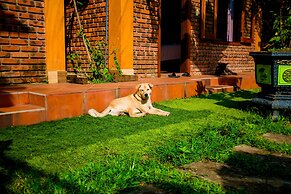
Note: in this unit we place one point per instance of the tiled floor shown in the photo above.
(57, 101)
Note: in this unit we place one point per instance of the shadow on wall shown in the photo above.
(73, 39)
(153, 7)
(205, 54)
(10, 23)
(200, 55)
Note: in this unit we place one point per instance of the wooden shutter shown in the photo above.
(247, 23)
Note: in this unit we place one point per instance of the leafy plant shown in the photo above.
(76, 61)
(282, 27)
(97, 56)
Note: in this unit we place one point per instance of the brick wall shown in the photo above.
(205, 54)
(145, 41)
(22, 41)
(92, 17)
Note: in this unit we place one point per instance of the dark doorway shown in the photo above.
(170, 36)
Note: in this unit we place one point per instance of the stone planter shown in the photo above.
(273, 75)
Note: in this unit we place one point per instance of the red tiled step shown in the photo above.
(219, 88)
(8, 99)
(24, 114)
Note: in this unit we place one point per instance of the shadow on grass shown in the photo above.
(256, 173)
(52, 137)
(18, 177)
(245, 104)
(161, 188)
(13, 169)
(19, 144)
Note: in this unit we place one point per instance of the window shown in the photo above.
(227, 20)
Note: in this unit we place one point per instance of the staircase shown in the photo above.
(21, 108)
(221, 84)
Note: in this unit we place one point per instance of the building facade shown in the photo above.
(150, 37)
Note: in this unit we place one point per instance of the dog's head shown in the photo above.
(144, 90)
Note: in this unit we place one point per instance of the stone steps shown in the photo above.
(219, 88)
(234, 177)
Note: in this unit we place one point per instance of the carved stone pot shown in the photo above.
(273, 75)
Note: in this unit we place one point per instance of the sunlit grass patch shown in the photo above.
(121, 154)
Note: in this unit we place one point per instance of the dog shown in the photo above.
(135, 105)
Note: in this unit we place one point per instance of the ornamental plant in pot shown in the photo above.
(273, 67)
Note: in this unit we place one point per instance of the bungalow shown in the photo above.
(151, 37)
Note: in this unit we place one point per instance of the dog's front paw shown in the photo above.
(167, 113)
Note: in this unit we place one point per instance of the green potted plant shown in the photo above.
(273, 67)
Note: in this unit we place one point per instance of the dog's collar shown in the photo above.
(137, 97)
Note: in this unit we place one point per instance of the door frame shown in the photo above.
(185, 36)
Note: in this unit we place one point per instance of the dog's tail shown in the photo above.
(95, 113)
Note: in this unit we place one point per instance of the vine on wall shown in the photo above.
(97, 55)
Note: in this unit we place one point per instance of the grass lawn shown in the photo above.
(121, 154)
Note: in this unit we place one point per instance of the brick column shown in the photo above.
(55, 41)
(121, 33)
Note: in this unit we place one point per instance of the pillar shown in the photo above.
(55, 40)
(121, 34)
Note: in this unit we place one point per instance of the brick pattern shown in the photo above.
(22, 41)
(145, 41)
(93, 19)
(206, 54)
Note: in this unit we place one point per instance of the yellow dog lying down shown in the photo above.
(135, 105)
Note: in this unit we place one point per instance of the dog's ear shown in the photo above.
(151, 85)
(137, 86)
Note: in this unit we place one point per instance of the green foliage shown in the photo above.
(98, 68)
(282, 28)
(76, 61)
(99, 71)
(97, 54)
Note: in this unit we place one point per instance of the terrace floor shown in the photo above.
(35, 103)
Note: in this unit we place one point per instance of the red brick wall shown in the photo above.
(145, 40)
(22, 41)
(92, 17)
(205, 54)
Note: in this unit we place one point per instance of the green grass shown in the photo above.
(120, 154)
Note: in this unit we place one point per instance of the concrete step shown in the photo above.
(219, 88)
(24, 114)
